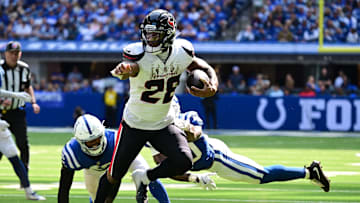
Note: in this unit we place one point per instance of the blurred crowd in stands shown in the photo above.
(274, 20)
(75, 82)
(297, 21)
(111, 20)
(235, 83)
(325, 85)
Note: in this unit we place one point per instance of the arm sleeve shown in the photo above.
(66, 179)
(6, 93)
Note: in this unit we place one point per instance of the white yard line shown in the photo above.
(194, 199)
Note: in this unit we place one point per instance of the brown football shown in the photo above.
(194, 78)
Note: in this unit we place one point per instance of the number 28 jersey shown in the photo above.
(151, 91)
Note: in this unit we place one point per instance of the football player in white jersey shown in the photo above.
(8, 148)
(91, 149)
(214, 155)
(154, 67)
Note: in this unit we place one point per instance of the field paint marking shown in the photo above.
(285, 190)
(131, 187)
(358, 154)
(228, 132)
(81, 185)
(341, 173)
(328, 173)
(355, 164)
(191, 199)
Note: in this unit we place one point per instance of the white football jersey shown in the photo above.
(151, 91)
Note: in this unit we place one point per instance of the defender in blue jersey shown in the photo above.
(92, 149)
(214, 155)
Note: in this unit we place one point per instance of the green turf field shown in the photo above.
(340, 158)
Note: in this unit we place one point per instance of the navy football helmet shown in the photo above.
(158, 31)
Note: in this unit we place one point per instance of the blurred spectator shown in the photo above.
(324, 78)
(275, 91)
(339, 80)
(289, 83)
(222, 86)
(98, 84)
(110, 101)
(285, 35)
(85, 87)
(261, 85)
(22, 30)
(307, 91)
(311, 35)
(189, 32)
(57, 77)
(323, 91)
(236, 82)
(203, 34)
(245, 35)
(78, 111)
(209, 105)
(311, 83)
(75, 75)
(353, 36)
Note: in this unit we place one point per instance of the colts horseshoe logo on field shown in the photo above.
(271, 125)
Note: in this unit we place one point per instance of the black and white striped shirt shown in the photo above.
(15, 79)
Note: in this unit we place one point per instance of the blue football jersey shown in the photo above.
(74, 158)
(203, 153)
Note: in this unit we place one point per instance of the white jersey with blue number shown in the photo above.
(75, 159)
(151, 91)
(214, 155)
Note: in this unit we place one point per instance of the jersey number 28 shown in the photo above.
(171, 85)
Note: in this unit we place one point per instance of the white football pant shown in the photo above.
(234, 167)
(7, 144)
(92, 177)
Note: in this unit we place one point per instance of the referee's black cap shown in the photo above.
(13, 46)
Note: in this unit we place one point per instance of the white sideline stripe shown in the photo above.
(281, 133)
(193, 199)
(228, 132)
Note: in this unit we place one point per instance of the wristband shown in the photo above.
(193, 178)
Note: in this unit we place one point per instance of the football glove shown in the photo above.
(203, 180)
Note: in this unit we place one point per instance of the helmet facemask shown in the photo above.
(93, 147)
(90, 134)
(158, 31)
(154, 39)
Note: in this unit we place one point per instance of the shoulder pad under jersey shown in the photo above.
(192, 117)
(68, 155)
(133, 52)
(186, 45)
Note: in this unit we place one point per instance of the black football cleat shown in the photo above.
(141, 194)
(318, 177)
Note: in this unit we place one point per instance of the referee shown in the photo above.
(17, 78)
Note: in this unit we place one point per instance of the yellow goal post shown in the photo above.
(332, 48)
